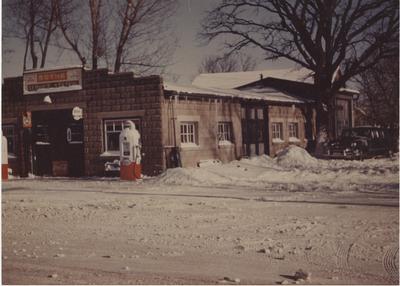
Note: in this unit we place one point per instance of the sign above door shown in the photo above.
(52, 80)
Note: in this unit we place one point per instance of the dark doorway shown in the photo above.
(255, 132)
(57, 143)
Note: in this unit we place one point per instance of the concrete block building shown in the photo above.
(66, 121)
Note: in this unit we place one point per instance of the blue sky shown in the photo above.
(186, 59)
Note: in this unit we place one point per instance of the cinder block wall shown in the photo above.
(103, 96)
(207, 112)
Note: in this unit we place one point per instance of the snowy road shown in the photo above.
(257, 221)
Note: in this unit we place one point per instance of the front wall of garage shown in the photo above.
(103, 97)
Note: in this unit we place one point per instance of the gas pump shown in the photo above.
(4, 159)
(130, 157)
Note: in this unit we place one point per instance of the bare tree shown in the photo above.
(321, 35)
(124, 33)
(247, 62)
(73, 18)
(95, 16)
(48, 27)
(143, 41)
(227, 63)
(34, 22)
(380, 92)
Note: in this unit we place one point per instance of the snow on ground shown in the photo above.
(253, 221)
(293, 169)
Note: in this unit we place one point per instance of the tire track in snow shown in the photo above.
(317, 249)
(342, 255)
(390, 263)
(344, 249)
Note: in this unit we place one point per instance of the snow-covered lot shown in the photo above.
(256, 220)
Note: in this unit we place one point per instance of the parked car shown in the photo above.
(361, 142)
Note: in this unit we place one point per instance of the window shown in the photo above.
(42, 134)
(9, 133)
(224, 132)
(188, 133)
(112, 129)
(75, 133)
(293, 130)
(277, 132)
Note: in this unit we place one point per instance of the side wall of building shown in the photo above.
(205, 114)
(286, 115)
(104, 96)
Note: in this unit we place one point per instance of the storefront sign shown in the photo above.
(55, 80)
(27, 119)
(77, 113)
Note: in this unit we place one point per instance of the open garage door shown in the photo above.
(57, 143)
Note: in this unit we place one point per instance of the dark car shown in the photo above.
(362, 142)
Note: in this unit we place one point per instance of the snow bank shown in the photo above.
(293, 169)
(260, 161)
(295, 157)
(192, 176)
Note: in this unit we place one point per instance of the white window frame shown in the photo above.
(188, 132)
(224, 133)
(277, 133)
(115, 122)
(293, 128)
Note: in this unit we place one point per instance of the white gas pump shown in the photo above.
(4, 158)
(130, 148)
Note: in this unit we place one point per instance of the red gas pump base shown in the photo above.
(4, 172)
(130, 172)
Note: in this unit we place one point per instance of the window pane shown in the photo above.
(188, 132)
(113, 141)
(224, 131)
(293, 129)
(260, 114)
(109, 127)
(252, 113)
(118, 126)
(277, 131)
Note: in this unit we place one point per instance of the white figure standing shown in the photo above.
(130, 147)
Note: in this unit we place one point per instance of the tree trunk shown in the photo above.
(26, 52)
(49, 31)
(95, 10)
(117, 65)
(32, 35)
(94, 59)
(325, 117)
(322, 122)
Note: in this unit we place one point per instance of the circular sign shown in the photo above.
(77, 113)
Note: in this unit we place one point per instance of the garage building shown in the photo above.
(66, 121)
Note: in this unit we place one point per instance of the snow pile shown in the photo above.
(260, 161)
(294, 170)
(192, 176)
(295, 157)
